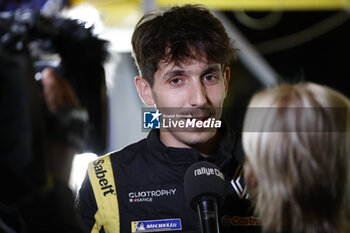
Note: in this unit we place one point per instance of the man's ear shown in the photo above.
(227, 74)
(144, 90)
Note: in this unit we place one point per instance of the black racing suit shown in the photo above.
(149, 184)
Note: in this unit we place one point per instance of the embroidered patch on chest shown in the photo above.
(173, 224)
(150, 195)
(238, 184)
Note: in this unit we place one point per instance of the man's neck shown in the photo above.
(206, 149)
(209, 148)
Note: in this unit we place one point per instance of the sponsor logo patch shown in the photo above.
(173, 224)
(100, 173)
(238, 184)
(227, 221)
(150, 195)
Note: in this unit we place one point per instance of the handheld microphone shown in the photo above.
(204, 187)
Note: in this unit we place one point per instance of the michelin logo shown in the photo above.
(173, 224)
(151, 120)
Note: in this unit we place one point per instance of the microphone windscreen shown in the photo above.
(204, 179)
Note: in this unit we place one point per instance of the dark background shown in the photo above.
(323, 59)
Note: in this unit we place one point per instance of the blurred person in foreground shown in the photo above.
(27, 206)
(183, 55)
(43, 124)
(297, 144)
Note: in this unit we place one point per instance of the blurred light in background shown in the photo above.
(115, 13)
(79, 168)
(86, 13)
(119, 36)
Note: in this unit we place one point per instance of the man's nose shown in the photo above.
(198, 95)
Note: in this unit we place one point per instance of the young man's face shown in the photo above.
(192, 86)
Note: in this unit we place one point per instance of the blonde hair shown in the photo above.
(297, 144)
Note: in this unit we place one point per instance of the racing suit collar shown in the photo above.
(171, 154)
(188, 155)
(227, 144)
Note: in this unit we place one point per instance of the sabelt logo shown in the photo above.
(100, 173)
(227, 221)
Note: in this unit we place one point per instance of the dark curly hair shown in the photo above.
(189, 31)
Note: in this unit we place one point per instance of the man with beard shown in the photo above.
(183, 56)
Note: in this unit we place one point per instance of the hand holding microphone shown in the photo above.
(204, 186)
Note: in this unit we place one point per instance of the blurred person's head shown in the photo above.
(297, 144)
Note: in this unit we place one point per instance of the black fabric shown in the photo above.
(148, 166)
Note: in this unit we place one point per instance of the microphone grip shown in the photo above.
(208, 216)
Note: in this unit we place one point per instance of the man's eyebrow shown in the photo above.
(211, 70)
(175, 72)
(179, 71)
